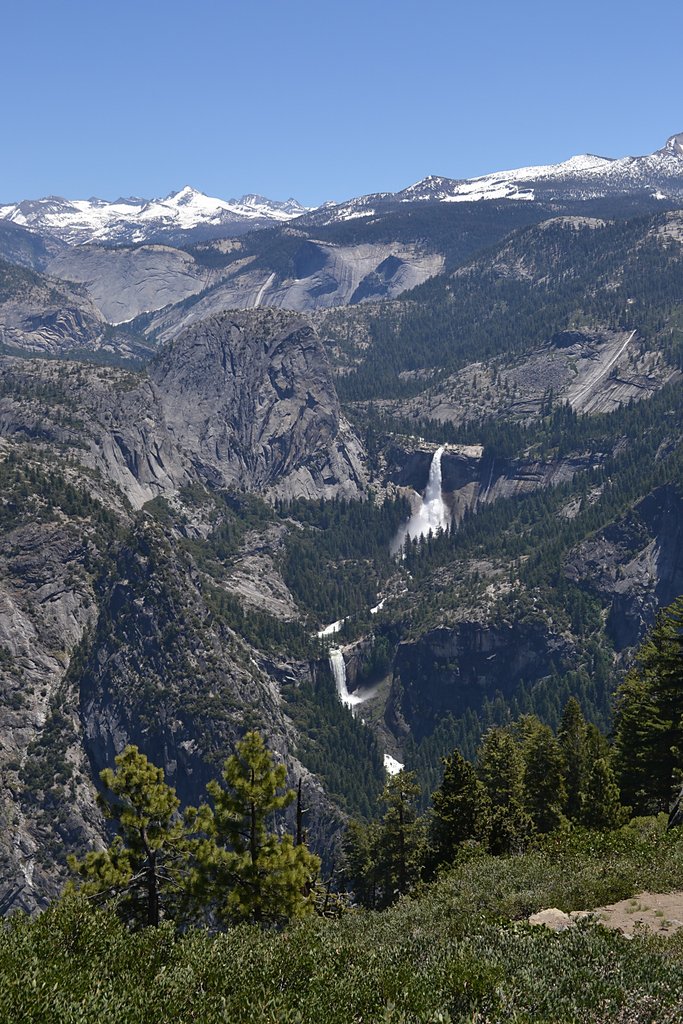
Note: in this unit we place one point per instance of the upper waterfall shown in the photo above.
(433, 514)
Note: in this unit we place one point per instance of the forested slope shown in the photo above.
(174, 539)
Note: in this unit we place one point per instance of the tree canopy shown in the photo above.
(649, 726)
(144, 865)
(231, 859)
(246, 871)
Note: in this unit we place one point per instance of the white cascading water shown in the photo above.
(351, 700)
(432, 515)
(338, 666)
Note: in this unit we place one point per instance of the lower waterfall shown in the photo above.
(338, 666)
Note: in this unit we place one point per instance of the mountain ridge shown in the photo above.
(137, 220)
(133, 220)
(584, 176)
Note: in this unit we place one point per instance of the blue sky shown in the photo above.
(323, 100)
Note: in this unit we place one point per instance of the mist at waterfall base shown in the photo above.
(432, 515)
(338, 666)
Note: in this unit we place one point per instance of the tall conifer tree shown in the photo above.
(649, 721)
(462, 809)
(501, 769)
(572, 738)
(247, 872)
(146, 866)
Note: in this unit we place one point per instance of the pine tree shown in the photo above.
(596, 745)
(601, 803)
(362, 861)
(148, 859)
(501, 769)
(461, 809)
(572, 739)
(246, 872)
(544, 789)
(401, 837)
(649, 720)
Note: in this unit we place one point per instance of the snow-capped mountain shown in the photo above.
(140, 220)
(659, 175)
(190, 215)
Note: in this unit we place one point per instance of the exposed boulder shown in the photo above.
(554, 919)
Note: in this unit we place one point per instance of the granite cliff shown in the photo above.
(113, 627)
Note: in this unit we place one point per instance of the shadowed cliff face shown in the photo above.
(162, 671)
(448, 670)
(241, 400)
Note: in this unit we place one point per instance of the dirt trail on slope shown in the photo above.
(657, 913)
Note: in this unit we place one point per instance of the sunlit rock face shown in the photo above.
(250, 400)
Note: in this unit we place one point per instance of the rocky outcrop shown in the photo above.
(595, 371)
(107, 638)
(46, 607)
(241, 400)
(635, 565)
(255, 576)
(250, 401)
(322, 275)
(124, 282)
(46, 316)
(472, 477)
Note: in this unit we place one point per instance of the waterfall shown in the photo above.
(351, 700)
(338, 666)
(432, 514)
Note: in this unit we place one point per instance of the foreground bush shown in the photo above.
(456, 954)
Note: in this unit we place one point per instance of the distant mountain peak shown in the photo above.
(190, 214)
(184, 195)
(674, 145)
(658, 175)
(126, 221)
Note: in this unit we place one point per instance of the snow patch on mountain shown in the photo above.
(594, 175)
(581, 177)
(133, 220)
(137, 220)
